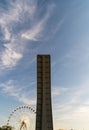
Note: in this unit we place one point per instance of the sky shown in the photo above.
(59, 28)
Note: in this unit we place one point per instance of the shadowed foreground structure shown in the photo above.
(44, 119)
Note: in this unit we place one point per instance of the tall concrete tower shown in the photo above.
(44, 119)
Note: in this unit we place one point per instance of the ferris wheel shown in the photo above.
(22, 118)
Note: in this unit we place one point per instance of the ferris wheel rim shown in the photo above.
(18, 108)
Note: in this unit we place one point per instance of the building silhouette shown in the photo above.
(44, 119)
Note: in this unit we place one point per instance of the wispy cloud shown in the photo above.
(24, 14)
(74, 103)
(18, 13)
(18, 24)
(13, 47)
(18, 9)
(57, 91)
(9, 56)
(36, 32)
(13, 90)
(3, 120)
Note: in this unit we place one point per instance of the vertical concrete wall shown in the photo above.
(44, 108)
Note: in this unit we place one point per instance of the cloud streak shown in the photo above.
(13, 90)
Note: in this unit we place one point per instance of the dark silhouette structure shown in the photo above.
(23, 126)
(44, 119)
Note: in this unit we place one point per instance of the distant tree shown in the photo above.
(0, 128)
(5, 127)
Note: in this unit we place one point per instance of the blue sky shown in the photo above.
(59, 28)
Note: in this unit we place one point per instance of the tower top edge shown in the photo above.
(39, 55)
